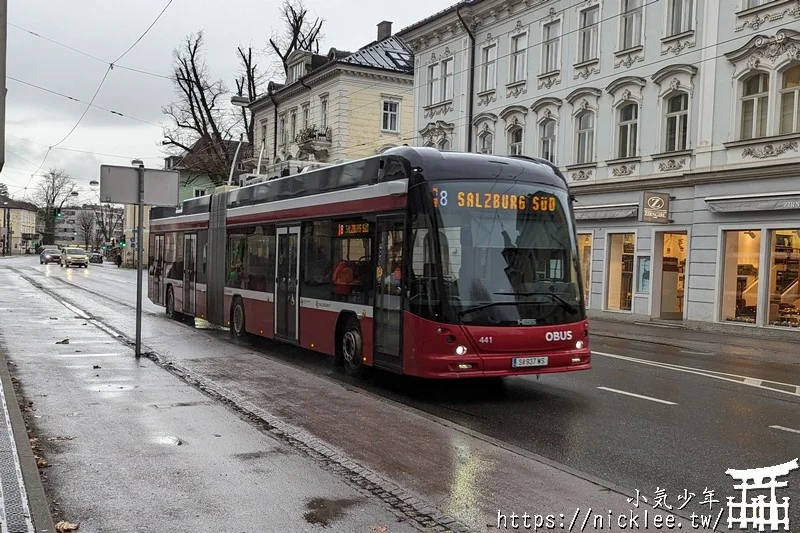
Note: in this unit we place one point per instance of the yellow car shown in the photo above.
(74, 256)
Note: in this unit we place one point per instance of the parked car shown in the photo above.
(96, 258)
(74, 256)
(49, 255)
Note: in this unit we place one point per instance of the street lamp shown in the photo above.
(94, 183)
(238, 101)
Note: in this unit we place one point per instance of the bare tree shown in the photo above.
(299, 32)
(202, 127)
(3, 189)
(51, 193)
(109, 221)
(247, 85)
(85, 225)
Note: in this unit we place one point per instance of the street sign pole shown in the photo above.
(139, 263)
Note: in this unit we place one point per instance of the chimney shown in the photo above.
(384, 30)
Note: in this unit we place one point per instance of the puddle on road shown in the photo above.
(322, 511)
(111, 387)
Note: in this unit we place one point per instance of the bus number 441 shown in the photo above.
(485, 340)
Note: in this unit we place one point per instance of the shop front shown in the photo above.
(711, 258)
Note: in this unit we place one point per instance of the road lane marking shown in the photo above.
(637, 395)
(74, 309)
(784, 428)
(733, 378)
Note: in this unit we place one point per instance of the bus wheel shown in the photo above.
(351, 348)
(171, 305)
(237, 319)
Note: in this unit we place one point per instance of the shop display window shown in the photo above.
(585, 251)
(784, 278)
(740, 276)
(621, 248)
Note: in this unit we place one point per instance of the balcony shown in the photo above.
(313, 141)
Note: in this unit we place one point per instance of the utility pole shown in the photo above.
(139, 231)
(3, 90)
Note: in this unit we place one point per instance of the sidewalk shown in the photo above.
(23, 503)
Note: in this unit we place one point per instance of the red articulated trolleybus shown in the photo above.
(427, 263)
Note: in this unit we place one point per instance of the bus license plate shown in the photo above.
(529, 361)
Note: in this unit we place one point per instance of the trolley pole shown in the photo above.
(139, 232)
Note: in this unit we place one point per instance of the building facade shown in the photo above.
(338, 107)
(17, 226)
(676, 124)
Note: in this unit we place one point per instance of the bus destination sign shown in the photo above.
(350, 230)
(487, 200)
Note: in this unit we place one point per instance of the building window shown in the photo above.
(323, 111)
(434, 89)
(547, 142)
(755, 3)
(263, 131)
(293, 124)
(306, 117)
(588, 36)
(519, 54)
(585, 253)
(585, 144)
(199, 192)
(551, 53)
(740, 276)
(515, 141)
(790, 101)
(488, 74)
(486, 142)
(447, 80)
(677, 122)
(631, 24)
(680, 16)
(784, 289)
(282, 130)
(620, 271)
(755, 106)
(628, 130)
(389, 122)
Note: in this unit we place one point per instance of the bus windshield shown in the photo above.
(507, 254)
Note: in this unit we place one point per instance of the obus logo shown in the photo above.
(551, 336)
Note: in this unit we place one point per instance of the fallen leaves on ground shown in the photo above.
(60, 437)
(63, 526)
(41, 462)
(96, 367)
(379, 529)
(65, 341)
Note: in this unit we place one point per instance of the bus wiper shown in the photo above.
(564, 303)
(482, 306)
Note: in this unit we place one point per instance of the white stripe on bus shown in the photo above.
(359, 193)
(197, 217)
(337, 307)
(250, 295)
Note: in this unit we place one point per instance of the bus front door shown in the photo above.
(189, 271)
(388, 309)
(158, 270)
(286, 285)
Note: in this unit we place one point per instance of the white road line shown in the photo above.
(637, 395)
(741, 380)
(74, 309)
(783, 428)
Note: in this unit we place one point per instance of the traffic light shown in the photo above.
(58, 212)
(122, 242)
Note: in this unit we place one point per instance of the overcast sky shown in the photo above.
(36, 119)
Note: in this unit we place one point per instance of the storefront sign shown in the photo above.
(655, 207)
(743, 204)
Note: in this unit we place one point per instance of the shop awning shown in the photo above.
(608, 211)
(754, 202)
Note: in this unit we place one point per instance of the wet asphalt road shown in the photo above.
(637, 425)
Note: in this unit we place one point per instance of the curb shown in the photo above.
(37, 498)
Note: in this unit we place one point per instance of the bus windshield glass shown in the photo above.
(508, 254)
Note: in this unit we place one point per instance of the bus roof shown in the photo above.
(393, 164)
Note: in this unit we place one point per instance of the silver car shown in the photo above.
(49, 255)
(74, 256)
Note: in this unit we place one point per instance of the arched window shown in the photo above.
(790, 101)
(430, 144)
(515, 141)
(547, 140)
(444, 145)
(677, 122)
(585, 133)
(755, 106)
(628, 130)
(486, 142)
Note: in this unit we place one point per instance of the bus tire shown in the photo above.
(170, 305)
(351, 345)
(238, 319)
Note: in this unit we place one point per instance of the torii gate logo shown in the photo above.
(759, 513)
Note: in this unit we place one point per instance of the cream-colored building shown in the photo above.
(338, 107)
(130, 223)
(20, 217)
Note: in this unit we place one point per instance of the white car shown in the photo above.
(74, 256)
